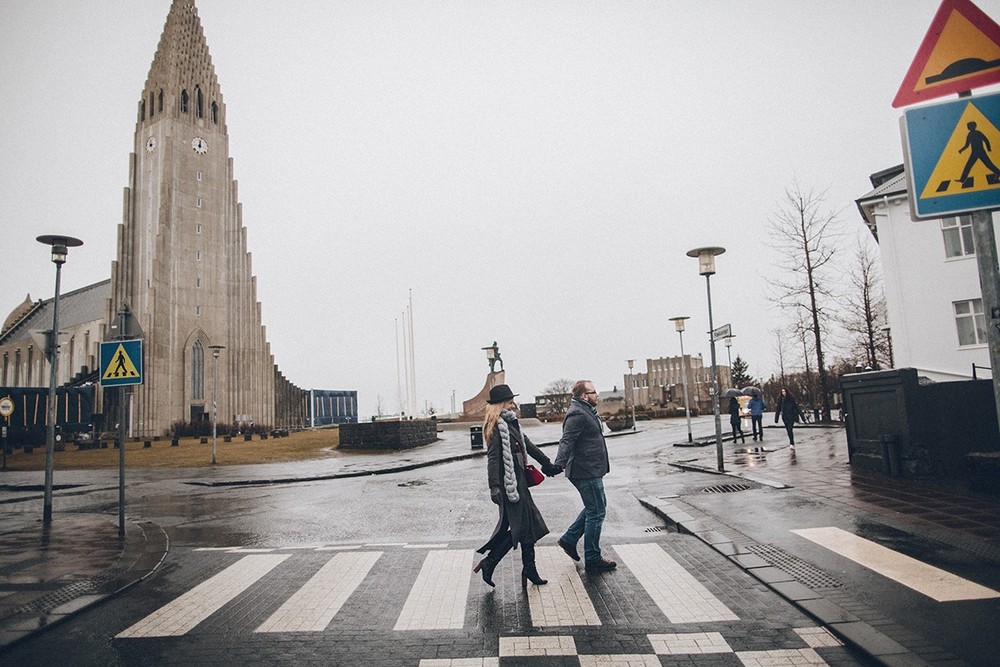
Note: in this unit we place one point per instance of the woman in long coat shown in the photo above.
(520, 522)
(789, 412)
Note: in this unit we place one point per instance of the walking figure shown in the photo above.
(120, 369)
(980, 148)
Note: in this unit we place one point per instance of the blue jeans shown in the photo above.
(589, 522)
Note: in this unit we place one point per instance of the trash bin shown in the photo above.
(476, 435)
(890, 455)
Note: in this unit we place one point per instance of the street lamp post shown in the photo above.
(60, 248)
(631, 389)
(706, 267)
(729, 355)
(215, 384)
(679, 327)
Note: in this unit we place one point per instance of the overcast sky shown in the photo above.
(533, 171)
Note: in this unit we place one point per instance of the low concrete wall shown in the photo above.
(388, 434)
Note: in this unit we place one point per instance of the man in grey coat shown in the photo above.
(583, 454)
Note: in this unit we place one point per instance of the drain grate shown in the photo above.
(654, 529)
(728, 488)
(803, 572)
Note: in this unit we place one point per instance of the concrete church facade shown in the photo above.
(182, 267)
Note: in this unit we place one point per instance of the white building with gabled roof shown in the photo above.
(936, 318)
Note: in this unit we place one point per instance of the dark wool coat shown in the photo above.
(788, 410)
(523, 518)
(582, 450)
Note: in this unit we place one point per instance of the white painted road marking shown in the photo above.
(921, 577)
(681, 597)
(437, 599)
(314, 605)
(181, 615)
(564, 600)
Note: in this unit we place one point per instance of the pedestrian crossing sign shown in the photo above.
(121, 363)
(952, 152)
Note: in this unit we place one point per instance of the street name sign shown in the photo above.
(960, 51)
(951, 151)
(121, 363)
(725, 331)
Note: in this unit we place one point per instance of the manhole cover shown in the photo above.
(727, 488)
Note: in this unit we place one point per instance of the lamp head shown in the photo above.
(60, 246)
(630, 362)
(216, 349)
(679, 322)
(706, 258)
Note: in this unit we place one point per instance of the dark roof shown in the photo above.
(77, 307)
(887, 183)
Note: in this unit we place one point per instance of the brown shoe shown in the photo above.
(602, 565)
(570, 549)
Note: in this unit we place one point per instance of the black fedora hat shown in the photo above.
(500, 393)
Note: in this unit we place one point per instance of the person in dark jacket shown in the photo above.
(520, 521)
(583, 454)
(789, 413)
(735, 421)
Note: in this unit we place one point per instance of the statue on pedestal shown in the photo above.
(493, 356)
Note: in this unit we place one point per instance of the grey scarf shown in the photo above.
(509, 479)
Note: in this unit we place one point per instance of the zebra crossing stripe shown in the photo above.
(314, 605)
(564, 600)
(437, 598)
(183, 614)
(926, 579)
(681, 597)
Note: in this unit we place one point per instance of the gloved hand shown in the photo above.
(551, 469)
(495, 495)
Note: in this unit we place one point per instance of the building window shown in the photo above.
(970, 322)
(199, 101)
(151, 107)
(215, 113)
(197, 282)
(159, 101)
(197, 228)
(197, 202)
(199, 175)
(197, 311)
(197, 370)
(957, 233)
(197, 255)
(184, 101)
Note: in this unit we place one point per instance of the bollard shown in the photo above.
(227, 438)
(175, 442)
(148, 444)
(204, 439)
(248, 437)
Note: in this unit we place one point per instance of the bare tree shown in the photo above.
(558, 393)
(865, 311)
(805, 236)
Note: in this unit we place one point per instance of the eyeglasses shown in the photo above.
(590, 392)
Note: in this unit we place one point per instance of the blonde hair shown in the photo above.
(493, 411)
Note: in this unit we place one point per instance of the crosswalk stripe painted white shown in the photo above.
(912, 573)
(313, 606)
(437, 598)
(181, 615)
(681, 597)
(564, 600)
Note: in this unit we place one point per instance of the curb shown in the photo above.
(841, 623)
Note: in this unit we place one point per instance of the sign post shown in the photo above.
(121, 366)
(6, 410)
(952, 149)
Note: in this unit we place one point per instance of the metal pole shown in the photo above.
(122, 312)
(215, 404)
(50, 432)
(684, 378)
(989, 285)
(715, 380)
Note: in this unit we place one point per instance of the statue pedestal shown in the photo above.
(475, 408)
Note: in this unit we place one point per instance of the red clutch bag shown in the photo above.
(533, 475)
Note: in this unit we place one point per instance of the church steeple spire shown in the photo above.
(182, 82)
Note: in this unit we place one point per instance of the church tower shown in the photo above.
(182, 263)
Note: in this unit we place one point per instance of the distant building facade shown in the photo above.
(330, 406)
(936, 319)
(662, 385)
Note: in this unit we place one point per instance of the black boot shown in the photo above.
(493, 558)
(528, 571)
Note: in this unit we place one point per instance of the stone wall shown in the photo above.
(388, 434)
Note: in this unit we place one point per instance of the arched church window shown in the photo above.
(142, 110)
(197, 370)
(199, 102)
(184, 101)
(160, 102)
(215, 113)
(151, 107)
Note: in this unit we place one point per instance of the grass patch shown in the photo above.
(190, 453)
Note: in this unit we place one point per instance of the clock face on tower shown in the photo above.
(151, 144)
(199, 145)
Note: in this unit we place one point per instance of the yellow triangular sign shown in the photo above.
(966, 165)
(121, 366)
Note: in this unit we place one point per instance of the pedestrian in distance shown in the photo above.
(789, 413)
(735, 421)
(583, 454)
(757, 407)
(520, 522)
